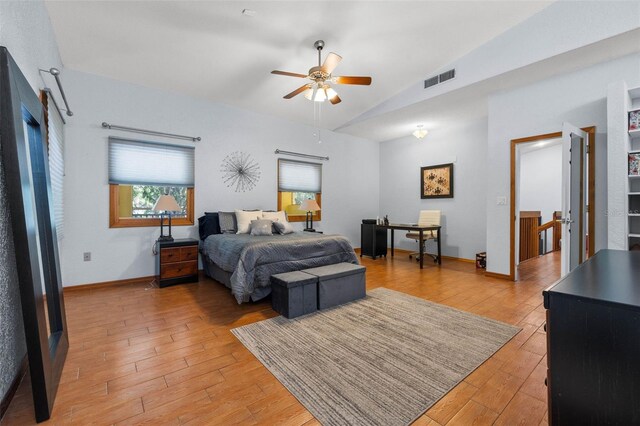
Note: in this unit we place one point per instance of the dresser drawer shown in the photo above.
(178, 269)
(188, 253)
(168, 255)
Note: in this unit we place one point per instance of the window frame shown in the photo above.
(115, 221)
(317, 216)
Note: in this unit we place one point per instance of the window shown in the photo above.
(55, 144)
(297, 181)
(139, 172)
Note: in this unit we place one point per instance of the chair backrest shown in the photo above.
(429, 217)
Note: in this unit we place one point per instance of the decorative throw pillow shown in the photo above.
(283, 227)
(244, 218)
(261, 227)
(279, 217)
(228, 223)
(208, 224)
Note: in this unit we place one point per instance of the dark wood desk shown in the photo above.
(415, 228)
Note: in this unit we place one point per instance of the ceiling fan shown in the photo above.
(319, 89)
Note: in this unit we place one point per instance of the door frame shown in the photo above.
(591, 135)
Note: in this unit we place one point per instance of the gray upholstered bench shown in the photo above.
(339, 283)
(294, 293)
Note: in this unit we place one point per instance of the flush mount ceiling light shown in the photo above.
(319, 89)
(420, 132)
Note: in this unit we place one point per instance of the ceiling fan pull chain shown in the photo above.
(319, 118)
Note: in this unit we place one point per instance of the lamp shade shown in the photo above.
(309, 206)
(166, 203)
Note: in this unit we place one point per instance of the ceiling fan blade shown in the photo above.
(335, 100)
(331, 62)
(287, 73)
(365, 81)
(297, 91)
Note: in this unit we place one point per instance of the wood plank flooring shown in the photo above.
(140, 354)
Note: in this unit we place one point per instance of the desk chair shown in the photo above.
(426, 218)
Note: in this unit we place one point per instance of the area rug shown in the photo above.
(383, 360)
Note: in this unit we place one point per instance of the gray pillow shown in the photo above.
(282, 228)
(228, 224)
(261, 227)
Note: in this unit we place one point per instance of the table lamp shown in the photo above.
(309, 206)
(166, 204)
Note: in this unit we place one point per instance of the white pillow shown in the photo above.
(280, 217)
(244, 219)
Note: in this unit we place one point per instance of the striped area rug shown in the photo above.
(383, 360)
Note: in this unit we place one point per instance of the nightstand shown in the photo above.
(177, 262)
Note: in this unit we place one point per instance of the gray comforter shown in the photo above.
(253, 259)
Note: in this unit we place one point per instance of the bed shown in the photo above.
(245, 263)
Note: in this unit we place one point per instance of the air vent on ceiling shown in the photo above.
(447, 75)
(431, 82)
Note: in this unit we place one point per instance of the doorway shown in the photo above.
(568, 183)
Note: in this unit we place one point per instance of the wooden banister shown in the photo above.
(530, 230)
(557, 230)
(546, 226)
(529, 237)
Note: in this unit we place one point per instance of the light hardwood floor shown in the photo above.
(140, 354)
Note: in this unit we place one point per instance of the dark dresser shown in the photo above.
(373, 241)
(593, 342)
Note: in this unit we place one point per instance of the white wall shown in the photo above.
(578, 98)
(463, 217)
(541, 181)
(25, 30)
(350, 177)
(540, 186)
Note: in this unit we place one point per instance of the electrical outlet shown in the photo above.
(501, 201)
(87, 256)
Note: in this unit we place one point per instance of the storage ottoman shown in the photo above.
(339, 283)
(294, 293)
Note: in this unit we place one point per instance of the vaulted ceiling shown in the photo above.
(210, 49)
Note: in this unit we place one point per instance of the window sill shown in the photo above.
(140, 223)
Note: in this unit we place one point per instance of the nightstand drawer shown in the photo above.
(178, 269)
(168, 255)
(188, 253)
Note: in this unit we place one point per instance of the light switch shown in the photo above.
(501, 200)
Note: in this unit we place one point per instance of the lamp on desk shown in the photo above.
(166, 204)
(309, 206)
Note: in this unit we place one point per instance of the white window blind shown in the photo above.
(55, 132)
(299, 176)
(150, 163)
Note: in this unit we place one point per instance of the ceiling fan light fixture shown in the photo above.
(321, 96)
(420, 132)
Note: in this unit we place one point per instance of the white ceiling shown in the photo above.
(209, 49)
(468, 103)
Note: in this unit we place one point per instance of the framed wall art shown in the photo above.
(436, 181)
